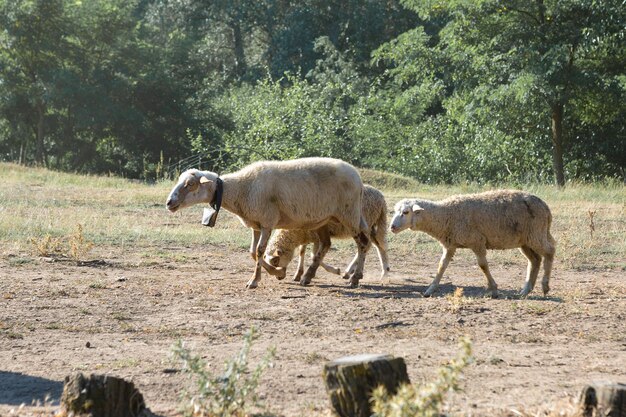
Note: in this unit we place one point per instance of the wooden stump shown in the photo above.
(101, 396)
(351, 380)
(603, 399)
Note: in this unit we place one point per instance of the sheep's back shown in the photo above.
(304, 192)
(506, 219)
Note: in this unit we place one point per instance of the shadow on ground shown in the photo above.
(17, 389)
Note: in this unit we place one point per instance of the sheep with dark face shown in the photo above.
(501, 219)
(298, 194)
(282, 245)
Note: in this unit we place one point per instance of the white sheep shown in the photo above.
(298, 194)
(501, 219)
(282, 245)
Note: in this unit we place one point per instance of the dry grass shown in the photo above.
(589, 220)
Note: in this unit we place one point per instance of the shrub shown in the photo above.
(423, 400)
(225, 395)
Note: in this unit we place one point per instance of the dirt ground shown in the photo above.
(122, 315)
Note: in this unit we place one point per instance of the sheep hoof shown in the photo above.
(354, 280)
(346, 275)
(523, 293)
(297, 277)
(429, 291)
(546, 289)
(492, 294)
(305, 282)
(251, 284)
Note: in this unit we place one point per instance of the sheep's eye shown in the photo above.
(405, 212)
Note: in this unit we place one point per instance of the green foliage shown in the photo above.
(226, 395)
(425, 400)
(443, 91)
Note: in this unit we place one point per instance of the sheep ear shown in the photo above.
(416, 208)
(204, 180)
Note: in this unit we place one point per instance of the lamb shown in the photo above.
(281, 246)
(298, 194)
(500, 219)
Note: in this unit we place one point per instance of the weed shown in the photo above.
(98, 285)
(47, 245)
(425, 400)
(74, 246)
(20, 261)
(314, 357)
(120, 317)
(226, 395)
(78, 245)
(592, 226)
(13, 335)
(456, 300)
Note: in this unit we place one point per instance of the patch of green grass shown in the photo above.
(18, 261)
(120, 316)
(126, 363)
(98, 285)
(12, 335)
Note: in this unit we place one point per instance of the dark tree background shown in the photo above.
(486, 91)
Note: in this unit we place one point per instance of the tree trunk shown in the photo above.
(102, 396)
(39, 140)
(557, 143)
(351, 380)
(603, 399)
(240, 58)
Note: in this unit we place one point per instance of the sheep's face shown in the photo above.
(406, 215)
(278, 258)
(193, 187)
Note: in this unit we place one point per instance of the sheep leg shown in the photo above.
(446, 257)
(263, 237)
(546, 248)
(481, 257)
(261, 263)
(534, 261)
(255, 241)
(548, 258)
(300, 270)
(351, 267)
(324, 245)
(362, 242)
(330, 268)
(378, 238)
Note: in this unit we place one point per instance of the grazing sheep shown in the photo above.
(298, 194)
(501, 219)
(281, 247)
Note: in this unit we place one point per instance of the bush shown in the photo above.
(225, 395)
(423, 400)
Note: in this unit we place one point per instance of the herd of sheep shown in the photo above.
(312, 200)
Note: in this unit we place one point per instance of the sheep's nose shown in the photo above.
(168, 202)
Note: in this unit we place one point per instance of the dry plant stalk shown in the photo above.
(48, 245)
(74, 246)
(592, 226)
(78, 245)
(457, 300)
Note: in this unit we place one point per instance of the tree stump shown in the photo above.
(603, 399)
(351, 380)
(101, 396)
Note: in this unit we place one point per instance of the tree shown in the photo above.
(561, 53)
(34, 44)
